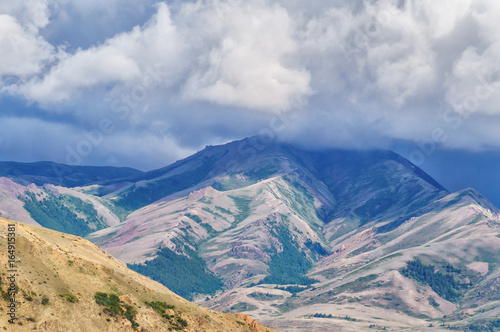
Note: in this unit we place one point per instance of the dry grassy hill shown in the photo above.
(66, 283)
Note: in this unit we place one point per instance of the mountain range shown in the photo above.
(333, 240)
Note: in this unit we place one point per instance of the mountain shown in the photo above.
(51, 195)
(66, 283)
(327, 239)
(69, 210)
(44, 172)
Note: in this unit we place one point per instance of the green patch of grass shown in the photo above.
(160, 307)
(114, 307)
(298, 199)
(243, 206)
(69, 297)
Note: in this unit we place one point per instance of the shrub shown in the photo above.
(69, 297)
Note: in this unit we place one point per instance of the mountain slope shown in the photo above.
(371, 277)
(70, 210)
(242, 163)
(328, 223)
(242, 211)
(80, 281)
(44, 172)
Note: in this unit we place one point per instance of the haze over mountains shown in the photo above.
(334, 239)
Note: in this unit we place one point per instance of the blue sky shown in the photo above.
(144, 83)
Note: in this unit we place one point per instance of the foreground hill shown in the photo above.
(66, 283)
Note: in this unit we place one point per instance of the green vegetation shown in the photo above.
(5, 294)
(293, 289)
(194, 217)
(243, 306)
(489, 326)
(243, 205)
(265, 296)
(69, 297)
(161, 308)
(116, 308)
(290, 265)
(184, 275)
(141, 195)
(297, 198)
(118, 211)
(432, 302)
(317, 315)
(443, 284)
(60, 213)
(45, 300)
(316, 247)
(348, 318)
(198, 220)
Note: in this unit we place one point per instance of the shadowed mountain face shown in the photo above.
(363, 183)
(45, 172)
(281, 232)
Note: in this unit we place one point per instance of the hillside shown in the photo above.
(66, 283)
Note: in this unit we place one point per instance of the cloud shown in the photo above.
(23, 52)
(346, 73)
(244, 56)
(120, 60)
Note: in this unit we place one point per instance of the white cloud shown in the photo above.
(244, 56)
(122, 59)
(31, 14)
(23, 53)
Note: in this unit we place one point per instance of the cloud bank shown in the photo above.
(333, 73)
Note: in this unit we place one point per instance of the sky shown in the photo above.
(143, 83)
